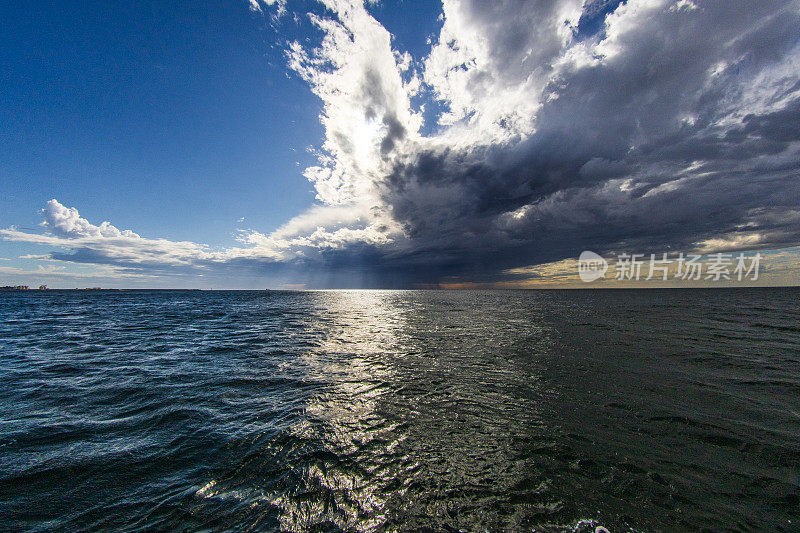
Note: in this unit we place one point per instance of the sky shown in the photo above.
(348, 144)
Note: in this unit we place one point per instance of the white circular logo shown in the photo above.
(591, 266)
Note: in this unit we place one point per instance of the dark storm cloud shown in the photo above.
(687, 131)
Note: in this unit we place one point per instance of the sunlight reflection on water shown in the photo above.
(361, 332)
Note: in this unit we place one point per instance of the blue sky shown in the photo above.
(134, 111)
(139, 109)
(198, 122)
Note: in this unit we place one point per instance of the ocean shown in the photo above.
(643, 410)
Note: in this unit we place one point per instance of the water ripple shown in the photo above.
(400, 410)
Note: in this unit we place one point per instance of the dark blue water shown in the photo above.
(326, 411)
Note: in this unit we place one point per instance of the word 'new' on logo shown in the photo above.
(591, 266)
